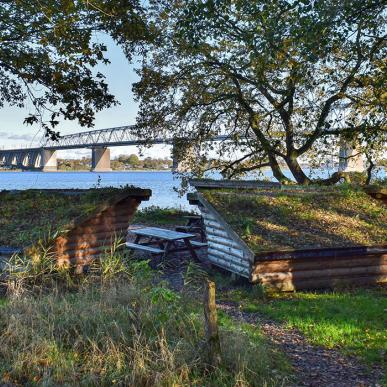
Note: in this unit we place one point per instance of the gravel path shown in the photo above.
(314, 366)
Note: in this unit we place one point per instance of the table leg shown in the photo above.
(191, 249)
(166, 249)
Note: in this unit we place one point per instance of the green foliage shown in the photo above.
(292, 76)
(302, 218)
(48, 53)
(194, 276)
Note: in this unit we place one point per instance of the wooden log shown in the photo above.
(114, 227)
(108, 219)
(310, 264)
(228, 265)
(91, 238)
(225, 249)
(211, 321)
(216, 232)
(228, 257)
(378, 269)
(223, 241)
(332, 282)
(213, 224)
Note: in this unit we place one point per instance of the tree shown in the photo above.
(49, 49)
(133, 160)
(285, 80)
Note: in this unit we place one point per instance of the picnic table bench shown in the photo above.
(160, 241)
(194, 225)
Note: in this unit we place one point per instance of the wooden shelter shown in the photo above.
(280, 247)
(74, 225)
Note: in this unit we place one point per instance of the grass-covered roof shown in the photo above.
(27, 216)
(288, 219)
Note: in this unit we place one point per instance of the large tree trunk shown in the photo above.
(276, 169)
(296, 170)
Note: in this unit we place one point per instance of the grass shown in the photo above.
(47, 212)
(119, 325)
(302, 218)
(353, 322)
(157, 216)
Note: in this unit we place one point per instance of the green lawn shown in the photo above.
(352, 321)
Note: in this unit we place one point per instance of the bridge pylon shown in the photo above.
(100, 159)
(49, 160)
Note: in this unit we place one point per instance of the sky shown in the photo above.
(120, 76)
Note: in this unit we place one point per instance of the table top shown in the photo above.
(162, 233)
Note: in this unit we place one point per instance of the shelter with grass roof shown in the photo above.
(290, 237)
(74, 226)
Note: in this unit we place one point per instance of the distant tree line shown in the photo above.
(120, 163)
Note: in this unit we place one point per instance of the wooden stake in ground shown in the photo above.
(211, 319)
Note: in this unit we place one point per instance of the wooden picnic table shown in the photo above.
(194, 225)
(168, 241)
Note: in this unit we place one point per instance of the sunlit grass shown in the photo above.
(352, 321)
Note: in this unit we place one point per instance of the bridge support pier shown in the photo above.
(100, 160)
(350, 158)
(49, 161)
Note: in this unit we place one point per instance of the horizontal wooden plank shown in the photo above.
(216, 232)
(227, 265)
(237, 260)
(161, 233)
(227, 250)
(116, 227)
(198, 244)
(331, 282)
(380, 269)
(311, 264)
(223, 241)
(322, 253)
(10, 250)
(213, 224)
(149, 249)
(252, 184)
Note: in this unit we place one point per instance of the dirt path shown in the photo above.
(313, 366)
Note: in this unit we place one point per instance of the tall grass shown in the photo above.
(120, 326)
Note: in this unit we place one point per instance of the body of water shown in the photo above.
(162, 184)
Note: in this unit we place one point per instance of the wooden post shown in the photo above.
(211, 320)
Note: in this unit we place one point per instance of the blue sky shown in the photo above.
(120, 76)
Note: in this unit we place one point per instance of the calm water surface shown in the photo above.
(161, 183)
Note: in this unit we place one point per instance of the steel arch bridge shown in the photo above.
(44, 157)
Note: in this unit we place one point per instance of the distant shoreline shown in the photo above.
(86, 170)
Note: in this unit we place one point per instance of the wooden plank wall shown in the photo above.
(92, 237)
(313, 272)
(223, 250)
